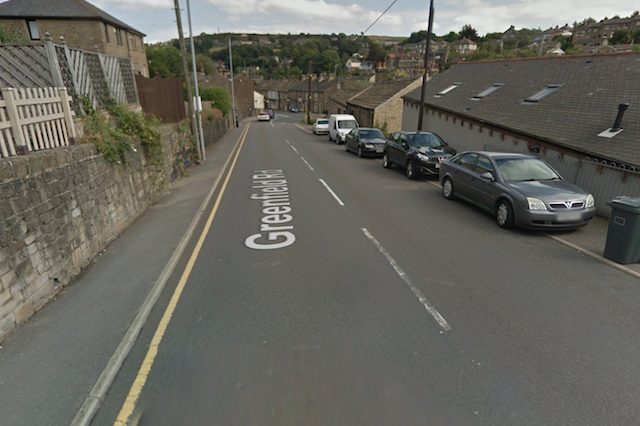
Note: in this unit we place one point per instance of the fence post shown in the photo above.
(68, 118)
(9, 95)
(52, 57)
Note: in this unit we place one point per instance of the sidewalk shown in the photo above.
(52, 362)
(592, 238)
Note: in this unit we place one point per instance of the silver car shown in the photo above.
(520, 189)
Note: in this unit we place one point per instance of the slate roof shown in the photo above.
(587, 103)
(379, 93)
(59, 9)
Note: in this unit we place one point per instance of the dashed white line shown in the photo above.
(287, 142)
(421, 297)
(331, 192)
(305, 162)
(294, 148)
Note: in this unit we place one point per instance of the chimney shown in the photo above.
(621, 109)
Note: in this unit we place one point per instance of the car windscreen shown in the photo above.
(525, 169)
(322, 121)
(426, 140)
(347, 124)
(371, 134)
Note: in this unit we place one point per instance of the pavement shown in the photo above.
(547, 324)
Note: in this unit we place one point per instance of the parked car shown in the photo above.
(365, 141)
(271, 113)
(340, 125)
(263, 116)
(294, 109)
(418, 153)
(321, 126)
(520, 189)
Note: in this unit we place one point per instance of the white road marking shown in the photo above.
(305, 162)
(434, 313)
(331, 192)
(287, 142)
(294, 148)
(271, 121)
(436, 184)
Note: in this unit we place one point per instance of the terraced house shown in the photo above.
(83, 26)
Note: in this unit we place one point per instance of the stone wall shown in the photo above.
(60, 208)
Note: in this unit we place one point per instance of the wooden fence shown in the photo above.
(35, 119)
(83, 73)
(162, 97)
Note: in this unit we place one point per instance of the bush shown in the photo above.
(219, 98)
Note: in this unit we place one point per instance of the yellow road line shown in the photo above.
(129, 404)
(302, 128)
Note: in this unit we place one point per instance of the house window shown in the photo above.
(487, 91)
(133, 43)
(447, 90)
(543, 93)
(118, 36)
(106, 32)
(34, 33)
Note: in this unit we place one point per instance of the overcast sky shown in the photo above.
(156, 18)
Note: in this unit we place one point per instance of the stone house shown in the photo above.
(510, 34)
(83, 26)
(561, 108)
(243, 89)
(465, 46)
(353, 64)
(597, 33)
(382, 103)
(321, 89)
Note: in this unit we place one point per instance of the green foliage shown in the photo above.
(620, 36)
(165, 61)
(416, 37)
(469, 32)
(204, 64)
(451, 37)
(115, 140)
(8, 35)
(219, 98)
(384, 128)
(376, 52)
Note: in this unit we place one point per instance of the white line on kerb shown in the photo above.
(294, 148)
(331, 192)
(434, 313)
(287, 142)
(305, 162)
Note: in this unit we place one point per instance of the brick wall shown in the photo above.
(60, 208)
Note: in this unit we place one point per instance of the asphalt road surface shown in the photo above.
(375, 302)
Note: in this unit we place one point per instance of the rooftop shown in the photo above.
(380, 92)
(571, 99)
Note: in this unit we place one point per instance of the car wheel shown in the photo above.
(504, 214)
(447, 189)
(386, 163)
(329, 134)
(360, 151)
(346, 146)
(411, 173)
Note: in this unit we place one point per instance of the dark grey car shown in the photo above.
(365, 141)
(520, 189)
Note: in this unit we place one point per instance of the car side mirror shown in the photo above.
(488, 176)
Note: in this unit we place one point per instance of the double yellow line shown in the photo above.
(129, 404)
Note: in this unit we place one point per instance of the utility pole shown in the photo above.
(185, 70)
(309, 101)
(195, 82)
(426, 67)
(233, 95)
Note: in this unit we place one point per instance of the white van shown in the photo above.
(340, 125)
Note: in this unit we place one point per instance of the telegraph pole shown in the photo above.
(309, 101)
(185, 70)
(195, 82)
(233, 95)
(426, 67)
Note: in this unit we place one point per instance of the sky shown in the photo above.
(157, 19)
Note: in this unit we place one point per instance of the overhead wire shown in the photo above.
(374, 22)
(225, 18)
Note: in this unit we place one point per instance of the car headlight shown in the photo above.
(423, 157)
(590, 201)
(536, 204)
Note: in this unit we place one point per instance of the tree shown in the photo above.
(416, 37)
(204, 64)
(218, 96)
(620, 36)
(451, 37)
(164, 61)
(469, 32)
(376, 53)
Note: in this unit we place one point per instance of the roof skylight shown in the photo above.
(447, 90)
(544, 92)
(487, 92)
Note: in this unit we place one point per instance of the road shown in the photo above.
(369, 273)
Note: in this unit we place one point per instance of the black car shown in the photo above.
(365, 141)
(418, 153)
